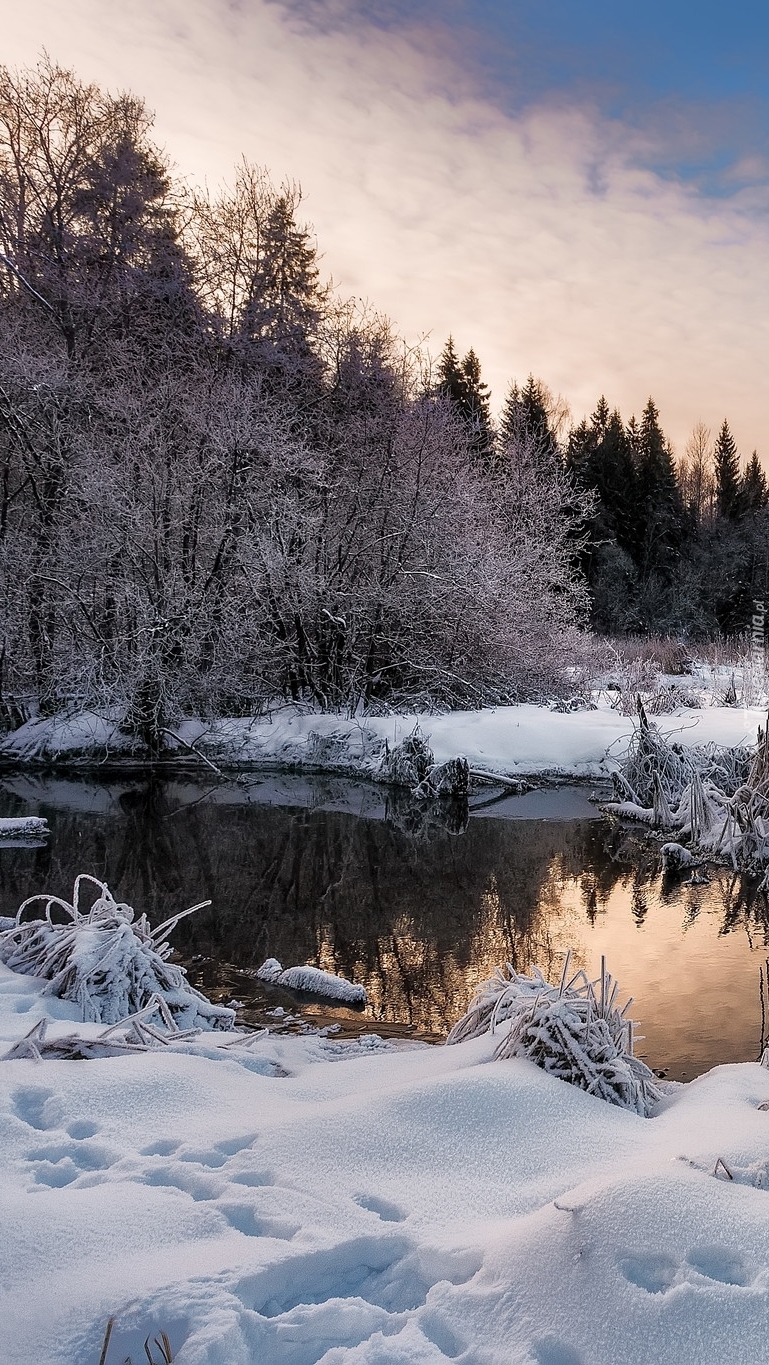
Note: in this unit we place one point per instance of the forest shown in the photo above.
(222, 484)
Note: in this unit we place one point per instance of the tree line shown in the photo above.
(671, 546)
(222, 485)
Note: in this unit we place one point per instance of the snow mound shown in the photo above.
(314, 980)
(105, 961)
(569, 1030)
(675, 857)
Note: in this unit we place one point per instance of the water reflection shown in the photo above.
(340, 876)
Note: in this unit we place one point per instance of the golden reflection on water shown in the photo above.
(420, 918)
(689, 956)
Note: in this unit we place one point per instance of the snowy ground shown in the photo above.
(311, 1201)
(514, 741)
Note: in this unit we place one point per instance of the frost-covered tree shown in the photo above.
(526, 416)
(221, 485)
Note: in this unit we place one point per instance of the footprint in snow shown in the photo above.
(723, 1264)
(247, 1219)
(82, 1128)
(37, 1106)
(186, 1179)
(437, 1330)
(656, 1273)
(64, 1160)
(389, 1213)
(164, 1147)
(551, 1351)
(202, 1157)
(653, 1272)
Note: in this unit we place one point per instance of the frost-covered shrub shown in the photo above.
(106, 961)
(449, 779)
(412, 764)
(408, 763)
(571, 1030)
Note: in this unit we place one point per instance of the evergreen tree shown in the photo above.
(660, 523)
(727, 471)
(461, 382)
(754, 490)
(599, 456)
(525, 416)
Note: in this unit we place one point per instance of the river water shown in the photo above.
(419, 908)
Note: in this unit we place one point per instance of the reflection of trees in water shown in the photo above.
(743, 906)
(420, 919)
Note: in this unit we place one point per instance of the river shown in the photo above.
(418, 908)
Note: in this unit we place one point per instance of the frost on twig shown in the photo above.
(108, 962)
(574, 1031)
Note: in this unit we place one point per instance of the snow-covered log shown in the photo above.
(23, 827)
(105, 960)
(574, 1031)
(314, 980)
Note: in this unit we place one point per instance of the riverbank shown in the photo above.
(512, 741)
(301, 1201)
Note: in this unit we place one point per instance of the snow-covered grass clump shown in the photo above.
(717, 799)
(109, 963)
(312, 979)
(571, 1030)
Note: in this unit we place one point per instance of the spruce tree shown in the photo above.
(461, 382)
(661, 522)
(727, 471)
(525, 417)
(599, 456)
(754, 490)
(449, 374)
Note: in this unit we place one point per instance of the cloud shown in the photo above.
(542, 238)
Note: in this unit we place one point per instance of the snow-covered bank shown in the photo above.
(355, 1203)
(512, 741)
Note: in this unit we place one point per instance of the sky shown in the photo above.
(576, 190)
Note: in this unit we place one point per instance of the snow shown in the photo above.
(23, 827)
(512, 741)
(312, 979)
(371, 1205)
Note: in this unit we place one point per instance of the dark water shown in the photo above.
(344, 877)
